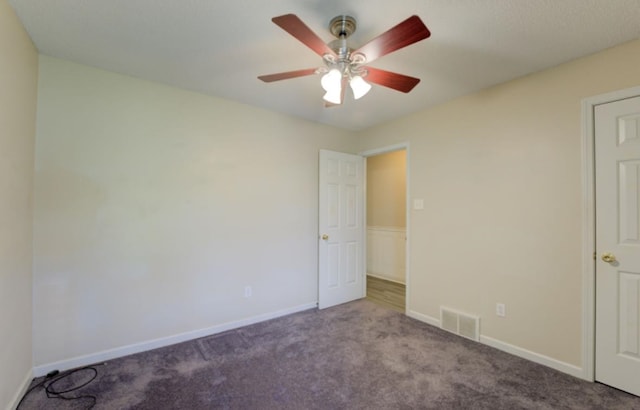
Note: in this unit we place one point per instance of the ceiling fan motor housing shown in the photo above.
(341, 27)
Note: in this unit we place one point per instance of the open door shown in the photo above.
(341, 228)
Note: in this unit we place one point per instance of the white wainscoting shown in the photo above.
(386, 254)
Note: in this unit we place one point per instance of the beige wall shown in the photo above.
(386, 189)
(500, 172)
(155, 207)
(18, 86)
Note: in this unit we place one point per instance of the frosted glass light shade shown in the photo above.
(359, 87)
(331, 81)
(332, 84)
(333, 96)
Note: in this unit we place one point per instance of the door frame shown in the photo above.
(384, 150)
(589, 224)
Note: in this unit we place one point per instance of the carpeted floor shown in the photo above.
(354, 356)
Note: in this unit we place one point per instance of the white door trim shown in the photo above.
(589, 224)
(383, 150)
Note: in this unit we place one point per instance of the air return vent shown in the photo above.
(460, 323)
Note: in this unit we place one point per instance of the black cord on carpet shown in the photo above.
(49, 383)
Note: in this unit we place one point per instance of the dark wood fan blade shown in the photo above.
(294, 26)
(289, 74)
(398, 82)
(404, 34)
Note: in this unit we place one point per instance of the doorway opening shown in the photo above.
(386, 228)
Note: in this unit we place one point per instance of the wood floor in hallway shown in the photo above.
(386, 293)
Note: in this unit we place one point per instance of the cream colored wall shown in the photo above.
(500, 172)
(18, 87)
(386, 189)
(155, 207)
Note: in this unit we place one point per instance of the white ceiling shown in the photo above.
(219, 47)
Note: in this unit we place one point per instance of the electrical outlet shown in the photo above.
(247, 291)
(501, 309)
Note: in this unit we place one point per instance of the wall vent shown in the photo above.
(449, 320)
(460, 323)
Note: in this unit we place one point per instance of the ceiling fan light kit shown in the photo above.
(359, 87)
(332, 83)
(344, 65)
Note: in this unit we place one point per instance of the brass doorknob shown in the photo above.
(325, 237)
(608, 257)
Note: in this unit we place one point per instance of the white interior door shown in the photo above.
(617, 147)
(341, 228)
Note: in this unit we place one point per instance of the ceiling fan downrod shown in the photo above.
(342, 27)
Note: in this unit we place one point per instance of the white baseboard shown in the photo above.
(13, 403)
(533, 356)
(514, 350)
(162, 342)
(385, 278)
(423, 318)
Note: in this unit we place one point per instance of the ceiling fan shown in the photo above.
(343, 65)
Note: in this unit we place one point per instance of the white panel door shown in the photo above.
(341, 228)
(617, 142)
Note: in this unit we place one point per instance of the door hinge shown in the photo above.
(595, 255)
